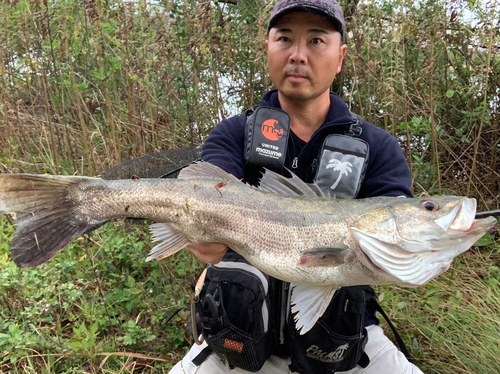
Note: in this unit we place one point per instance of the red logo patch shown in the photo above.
(270, 131)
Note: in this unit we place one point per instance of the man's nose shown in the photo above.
(298, 54)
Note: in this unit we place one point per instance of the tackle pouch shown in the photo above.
(267, 130)
(234, 310)
(342, 165)
(337, 341)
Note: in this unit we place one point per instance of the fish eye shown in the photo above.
(429, 205)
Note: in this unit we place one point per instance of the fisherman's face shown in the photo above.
(304, 54)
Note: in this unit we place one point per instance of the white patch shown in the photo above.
(465, 216)
(445, 221)
(388, 225)
(308, 303)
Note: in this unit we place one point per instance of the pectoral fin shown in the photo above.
(308, 303)
(324, 256)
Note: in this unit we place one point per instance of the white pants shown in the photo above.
(385, 358)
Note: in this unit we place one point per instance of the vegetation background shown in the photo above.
(85, 84)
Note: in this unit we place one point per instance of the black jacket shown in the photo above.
(387, 172)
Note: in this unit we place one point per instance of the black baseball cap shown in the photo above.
(327, 8)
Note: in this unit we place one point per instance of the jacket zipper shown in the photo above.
(295, 162)
(284, 308)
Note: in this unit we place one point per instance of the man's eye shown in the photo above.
(316, 41)
(284, 38)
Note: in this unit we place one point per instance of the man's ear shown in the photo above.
(266, 43)
(342, 53)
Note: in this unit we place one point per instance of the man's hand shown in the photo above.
(209, 253)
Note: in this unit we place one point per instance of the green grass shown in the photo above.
(97, 304)
(99, 307)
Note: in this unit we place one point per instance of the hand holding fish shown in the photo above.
(286, 228)
(209, 253)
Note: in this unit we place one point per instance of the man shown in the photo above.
(305, 51)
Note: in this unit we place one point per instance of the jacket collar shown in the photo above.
(338, 114)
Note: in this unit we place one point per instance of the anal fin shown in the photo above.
(172, 241)
(308, 303)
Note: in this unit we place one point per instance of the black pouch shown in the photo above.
(267, 130)
(234, 310)
(337, 341)
(342, 165)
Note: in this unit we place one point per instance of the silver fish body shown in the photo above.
(283, 228)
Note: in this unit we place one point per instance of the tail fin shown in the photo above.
(44, 214)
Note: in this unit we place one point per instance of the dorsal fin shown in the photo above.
(276, 183)
(203, 170)
(270, 182)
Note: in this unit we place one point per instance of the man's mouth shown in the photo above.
(296, 75)
(297, 78)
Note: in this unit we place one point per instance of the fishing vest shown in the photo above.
(340, 166)
(243, 314)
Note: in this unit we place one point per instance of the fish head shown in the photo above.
(414, 240)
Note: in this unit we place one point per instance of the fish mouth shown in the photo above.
(461, 218)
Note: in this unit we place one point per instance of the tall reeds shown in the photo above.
(86, 84)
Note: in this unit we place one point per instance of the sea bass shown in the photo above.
(286, 228)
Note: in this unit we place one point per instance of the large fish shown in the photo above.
(286, 228)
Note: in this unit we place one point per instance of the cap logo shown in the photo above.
(270, 130)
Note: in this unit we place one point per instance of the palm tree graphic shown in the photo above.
(341, 167)
(339, 352)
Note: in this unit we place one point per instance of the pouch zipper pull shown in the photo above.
(313, 167)
(295, 162)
